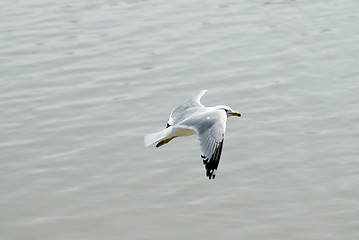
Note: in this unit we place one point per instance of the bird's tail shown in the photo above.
(158, 137)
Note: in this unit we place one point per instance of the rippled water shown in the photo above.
(82, 82)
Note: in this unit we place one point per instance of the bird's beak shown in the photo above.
(237, 114)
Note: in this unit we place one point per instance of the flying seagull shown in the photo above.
(191, 117)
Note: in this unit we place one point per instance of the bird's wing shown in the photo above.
(210, 132)
(191, 102)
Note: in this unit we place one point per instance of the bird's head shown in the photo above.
(229, 111)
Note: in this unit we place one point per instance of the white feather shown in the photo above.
(168, 133)
(153, 138)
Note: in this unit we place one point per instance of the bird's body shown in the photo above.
(191, 117)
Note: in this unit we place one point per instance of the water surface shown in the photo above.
(83, 82)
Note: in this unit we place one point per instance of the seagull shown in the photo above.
(191, 117)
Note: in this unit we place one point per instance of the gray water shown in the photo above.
(82, 82)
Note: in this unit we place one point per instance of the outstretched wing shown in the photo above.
(211, 136)
(191, 102)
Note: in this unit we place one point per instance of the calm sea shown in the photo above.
(82, 82)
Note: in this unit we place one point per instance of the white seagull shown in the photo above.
(191, 117)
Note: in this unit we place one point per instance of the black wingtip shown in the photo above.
(211, 173)
(211, 165)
